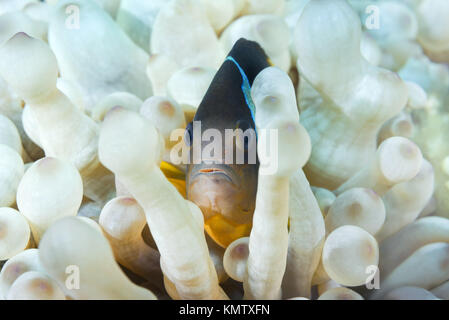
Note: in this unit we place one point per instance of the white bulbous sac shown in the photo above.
(167, 116)
(398, 21)
(71, 242)
(17, 21)
(395, 33)
(15, 233)
(324, 197)
(326, 286)
(235, 259)
(182, 32)
(355, 98)
(400, 245)
(137, 17)
(397, 160)
(56, 186)
(340, 293)
(40, 77)
(117, 65)
(54, 121)
(370, 50)
(433, 32)
(23, 262)
(220, 13)
(10, 102)
(138, 130)
(13, 5)
(110, 6)
(160, 68)
(122, 220)
(360, 207)
(270, 31)
(35, 285)
(39, 11)
(400, 125)
(122, 99)
(190, 272)
(264, 6)
(277, 115)
(11, 172)
(424, 268)
(30, 125)
(73, 91)
(9, 135)
(432, 122)
(188, 86)
(405, 201)
(305, 244)
(347, 253)
(11, 106)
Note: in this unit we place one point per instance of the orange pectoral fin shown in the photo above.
(175, 176)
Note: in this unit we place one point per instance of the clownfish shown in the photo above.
(222, 185)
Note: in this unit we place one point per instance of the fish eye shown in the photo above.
(244, 138)
(188, 135)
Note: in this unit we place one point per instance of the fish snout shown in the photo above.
(216, 194)
(215, 171)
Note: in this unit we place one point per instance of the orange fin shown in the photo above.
(176, 176)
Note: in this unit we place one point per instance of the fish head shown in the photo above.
(224, 179)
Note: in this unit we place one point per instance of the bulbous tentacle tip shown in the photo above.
(126, 138)
(113, 111)
(19, 36)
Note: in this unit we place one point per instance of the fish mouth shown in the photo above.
(218, 170)
(211, 170)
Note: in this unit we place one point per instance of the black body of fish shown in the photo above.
(223, 188)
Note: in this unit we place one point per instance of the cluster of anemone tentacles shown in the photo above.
(90, 92)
